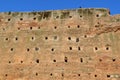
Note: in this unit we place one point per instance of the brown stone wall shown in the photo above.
(78, 44)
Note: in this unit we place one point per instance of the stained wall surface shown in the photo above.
(77, 44)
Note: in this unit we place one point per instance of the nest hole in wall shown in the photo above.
(36, 74)
(32, 38)
(77, 39)
(100, 60)
(54, 60)
(21, 19)
(69, 38)
(107, 48)
(31, 28)
(6, 75)
(55, 27)
(21, 61)
(39, 27)
(6, 39)
(108, 76)
(16, 38)
(80, 16)
(18, 28)
(46, 38)
(52, 49)
(37, 60)
(113, 60)
(70, 48)
(9, 62)
(66, 59)
(9, 19)
(55, 37)
(28, 49)
(95, 75)
(36, 49)
(11, 49)
(97, 15)
(79, 48)
(34, 18)
(81, 60)
(78, 26)
(68, 26)
(3, 29)
(96, 48)
(78, 74)
(51, 74)
(85, 36)
(62, 74)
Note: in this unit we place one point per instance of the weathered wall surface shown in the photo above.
(78, 44)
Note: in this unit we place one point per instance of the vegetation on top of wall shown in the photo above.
(117, 20)
(34, 13)
(85, 11)
(47, 14)
(15, 14)
(65, 14)
(40, 16)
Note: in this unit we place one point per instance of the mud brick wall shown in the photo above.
(76, 44)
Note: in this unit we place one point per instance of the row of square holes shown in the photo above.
(108, 76)
(96, 48)
(31, 28)
(55, 27)
(79, 16)
(51, 74)
(32, 38)
(46, 38)
(78, 26)
(66, 60)
(53, 49)
(22, 19)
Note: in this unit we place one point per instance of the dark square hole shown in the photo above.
(108, 76)
(37, 61)
(54, 60)
(70, 48)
